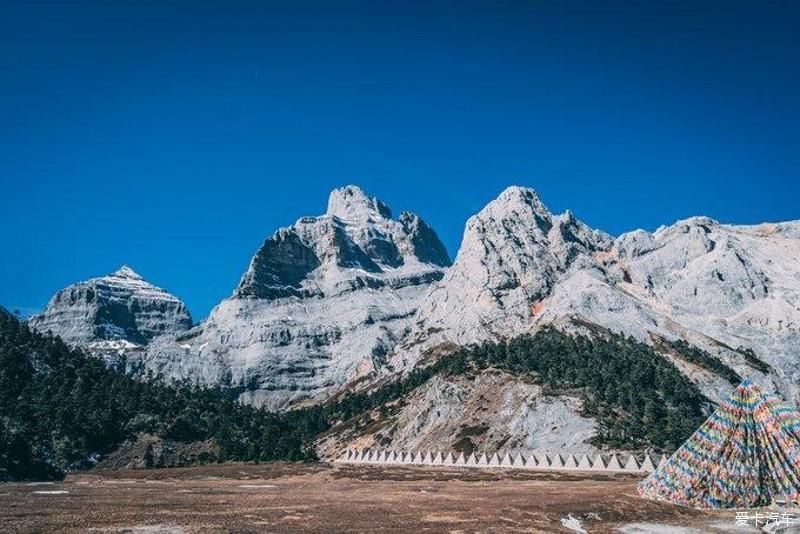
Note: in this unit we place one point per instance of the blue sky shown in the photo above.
(175, 136)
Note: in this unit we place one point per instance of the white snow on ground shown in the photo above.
(573, 524)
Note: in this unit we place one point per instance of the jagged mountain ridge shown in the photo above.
(118, 311)
(321, 305)
(355, 296)
(719, 287)
(732, 291)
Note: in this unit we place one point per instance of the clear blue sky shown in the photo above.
(175, 136)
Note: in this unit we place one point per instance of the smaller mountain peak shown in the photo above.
(519, 192)
(698, 220)
(515, 197)
(351, 203)
(126, 272)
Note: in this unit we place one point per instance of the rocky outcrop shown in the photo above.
(322, 304)
(489, 412)
(118, 311)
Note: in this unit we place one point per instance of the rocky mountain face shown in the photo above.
(117, 312)
(491, 411)
(356, 297)
(732, 291)
(726, 289)
(513, 254)
(321, 305)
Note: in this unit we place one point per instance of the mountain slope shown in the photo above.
(62, 410)
(321, 304)
(549, 390)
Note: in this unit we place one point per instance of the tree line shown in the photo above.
(59, 406)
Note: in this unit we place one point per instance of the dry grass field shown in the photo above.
(322, 498)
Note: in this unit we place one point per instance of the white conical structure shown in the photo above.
(531, 461)
(519, 460)
(585, 463)
(461, 460)
(471, 460)
(613, 463)
(449, 460)
(507, 461)
(391, 457)
(557, 462)
(647, 464)
(543, 461)
(632, 465)
(599, 464)
(494, 460)
(483, 461)
(423, 459)
(570, 462)
(437, 458)
(405, 457)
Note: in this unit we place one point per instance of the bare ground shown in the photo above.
(321, 498)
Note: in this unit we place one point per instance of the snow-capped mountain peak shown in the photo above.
(356, 242)
(119, 306)
(126, 272)
(350, 203)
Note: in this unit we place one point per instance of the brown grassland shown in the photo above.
(286, 497)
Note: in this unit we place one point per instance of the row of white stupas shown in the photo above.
(536, 460)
